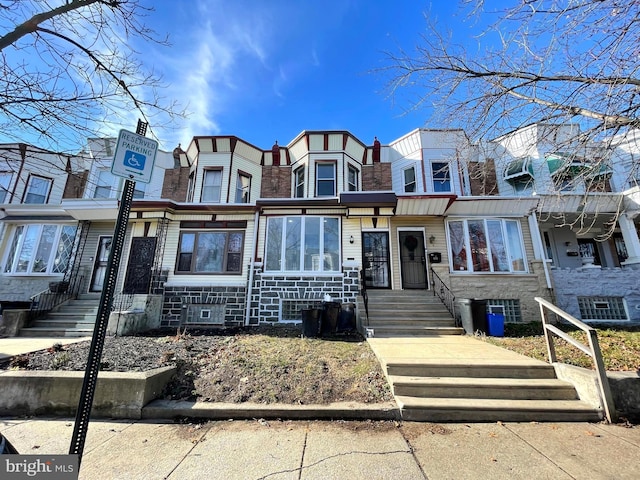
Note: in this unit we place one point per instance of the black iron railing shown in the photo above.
(363, 292)
(56, 294)
(442, 291)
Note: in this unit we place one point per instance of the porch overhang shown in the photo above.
(592, 203)
(418, 205)
(374, 204)
(493, 206)
(23, 211)
(91, 208)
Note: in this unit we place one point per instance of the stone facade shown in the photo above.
(178, 299)
(503, 287)
(271, 290)
(569, 284)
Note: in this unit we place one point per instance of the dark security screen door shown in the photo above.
(412, 259)
(138, 276)
(375, 256)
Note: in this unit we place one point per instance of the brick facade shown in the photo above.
(376, 177)
(482, 178)
(176, 184)
(76, 183)
(276, 182)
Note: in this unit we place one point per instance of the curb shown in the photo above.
(170, 410)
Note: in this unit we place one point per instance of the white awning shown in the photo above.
(423, 204)
(493, 206)
(91, 208)
(594, 202)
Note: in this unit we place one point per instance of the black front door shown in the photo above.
(141, 256)
(412, 260)
(375, 256)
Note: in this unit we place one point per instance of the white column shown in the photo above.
(631, 240)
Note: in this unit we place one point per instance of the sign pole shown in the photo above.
(83, 413)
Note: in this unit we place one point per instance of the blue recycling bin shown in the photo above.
(495, 324)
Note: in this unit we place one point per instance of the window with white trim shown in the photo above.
(106, 185)
(409, 178)
(310, 244)
(243, 187)
(5, 182)
(352, 179)
(441, 176)
(486, 245)
(40, 249)
(211, 186)
(38, 189)
(298, 178)
(325, 179)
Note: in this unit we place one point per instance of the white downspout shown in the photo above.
(538, 246)
(247, 316)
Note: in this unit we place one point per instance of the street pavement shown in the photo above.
(353, 450)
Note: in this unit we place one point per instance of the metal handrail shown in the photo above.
(46, 300)
(365, 296)
(443, 292)
(593, 350)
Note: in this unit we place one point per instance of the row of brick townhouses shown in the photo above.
(231, 234)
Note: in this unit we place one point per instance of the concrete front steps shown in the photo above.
(394, 313)
(462, 379)
(75, 318)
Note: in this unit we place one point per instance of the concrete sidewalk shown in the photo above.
(10, 347)
(261, 449)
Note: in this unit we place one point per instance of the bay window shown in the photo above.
(440, 172)
(409, 175)
(486, 245)
(211, 186)
(40, 249)
(325, 179)
(310, 244)
(298, 186)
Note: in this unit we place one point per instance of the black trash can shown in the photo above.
(330, 317)
(310, 322)
(466, 315)
(347, 321)
(479, 314)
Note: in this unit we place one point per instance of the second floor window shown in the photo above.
(5, 182)
(138, 190)
(106, 186)
(298, 176)
(325, 179)
(409, 175)
(243, 188)
(441, 176)
(211, 186)
(352, 179)
(37, 189)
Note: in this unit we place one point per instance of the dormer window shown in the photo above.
(566, 168)
(519, 173)
(352, 180)
(409, 177)
(5, 181)
(325, 179)
(211, 186)
(37, 190)
(298, 178)
(441, 175)
(243, 187)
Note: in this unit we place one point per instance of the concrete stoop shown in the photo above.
(395, 313)
(526, 394)
(75, 318)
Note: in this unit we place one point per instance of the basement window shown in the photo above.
(602, 309)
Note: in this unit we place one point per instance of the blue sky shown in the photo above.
(266, 70)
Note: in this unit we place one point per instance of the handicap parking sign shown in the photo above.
(134, 160)
(135, 157)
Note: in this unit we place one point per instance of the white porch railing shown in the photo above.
(593, 350)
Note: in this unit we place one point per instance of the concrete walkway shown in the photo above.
(261, 449)
(446, 349)
(10, 347)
